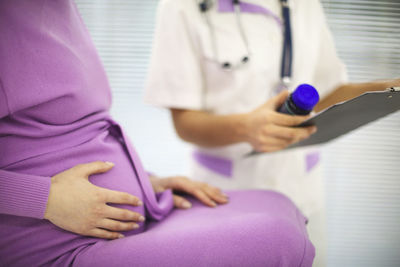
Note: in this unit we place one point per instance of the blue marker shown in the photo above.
(301, 101)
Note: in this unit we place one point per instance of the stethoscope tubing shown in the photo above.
(227, 66)
(287, 50)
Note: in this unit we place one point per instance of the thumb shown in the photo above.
(95, 167)
(278, 100)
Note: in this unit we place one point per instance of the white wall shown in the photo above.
(362, 169)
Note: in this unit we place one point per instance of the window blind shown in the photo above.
(362, 170)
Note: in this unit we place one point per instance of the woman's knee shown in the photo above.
(286, 238)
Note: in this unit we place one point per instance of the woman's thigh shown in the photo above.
(256, 228)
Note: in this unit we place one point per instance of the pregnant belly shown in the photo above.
(104, 147)
(32, 240)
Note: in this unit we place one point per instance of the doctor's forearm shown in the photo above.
(208, 130)
(351, 90)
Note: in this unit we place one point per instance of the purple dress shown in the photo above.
(54, 114)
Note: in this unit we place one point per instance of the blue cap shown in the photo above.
(305, 96)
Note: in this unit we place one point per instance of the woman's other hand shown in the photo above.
(268, 130)
(78, 206)
(207, 194)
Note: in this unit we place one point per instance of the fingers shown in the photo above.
(117, 226)
(191, 187)
(271, 141)
(210, 198)
(279, 99)
(203, 197)
(95, 167)
(269, 149)
(287, 120)
(101, 233)
(123, 214)
(181, 202)
(117, 197)
(274, 137)
(288, 133)
(208, 195)
(215, 194)
(272, 144)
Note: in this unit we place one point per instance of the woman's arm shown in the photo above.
(264, 128)
(23, 194)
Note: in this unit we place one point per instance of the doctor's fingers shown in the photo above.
(271, 144)
(292, 134)
(274, 138)
(269, 148)
(287, 120)
(276, 101)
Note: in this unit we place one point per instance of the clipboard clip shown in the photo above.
(393, 89)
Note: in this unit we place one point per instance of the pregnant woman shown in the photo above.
(73, 191)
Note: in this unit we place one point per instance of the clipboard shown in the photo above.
(347, 116)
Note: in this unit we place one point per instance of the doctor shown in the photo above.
(223, 67)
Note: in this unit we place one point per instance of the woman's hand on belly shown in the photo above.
(78, 206)
(207, 194)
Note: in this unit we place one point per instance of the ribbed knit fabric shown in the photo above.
(23, 194)
(54, 114)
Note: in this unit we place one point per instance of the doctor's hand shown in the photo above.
(207, 194)
(268, 130)
(78, 206)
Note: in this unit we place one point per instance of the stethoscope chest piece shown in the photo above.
(204, 7)
(228, 66)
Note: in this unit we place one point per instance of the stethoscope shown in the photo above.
(287, 53)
